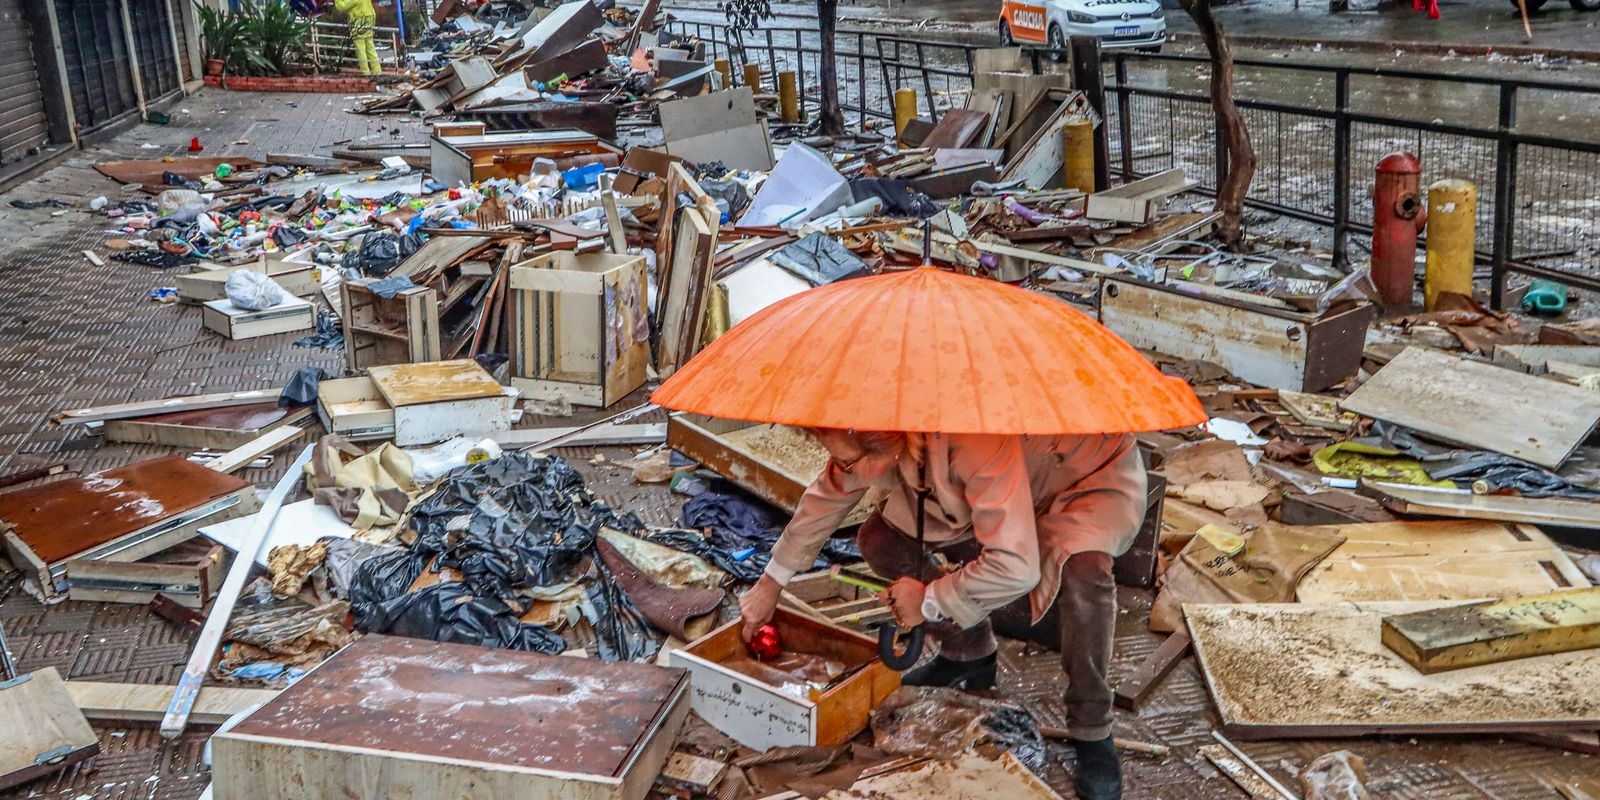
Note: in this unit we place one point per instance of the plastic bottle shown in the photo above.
(1545, 297)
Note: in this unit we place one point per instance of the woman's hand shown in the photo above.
(904, 599)
(757, 604)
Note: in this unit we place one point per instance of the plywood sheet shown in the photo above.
(39, 718)
(1465, 560)
(134, 702)
(434, 381)
(59, 520)
(1479, 405)
(1406, 499)
(1322, 670)
(424, 698)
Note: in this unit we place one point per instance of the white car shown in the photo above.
(1118, 23)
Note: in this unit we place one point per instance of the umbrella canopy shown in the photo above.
(928, 350)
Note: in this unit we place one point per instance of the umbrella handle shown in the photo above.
(904, 660)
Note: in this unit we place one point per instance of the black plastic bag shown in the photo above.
(384, 577)
(448, 612)
(287, 236)
(381, 252)
(899, 197)
(329, 335)
(302, 388)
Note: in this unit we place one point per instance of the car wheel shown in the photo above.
(1534, 5)
(1058, 44)
(1005, 35)
(1151, 49)
(1584, 5)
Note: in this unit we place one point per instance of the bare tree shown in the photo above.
(1240, 154)
(745, 15)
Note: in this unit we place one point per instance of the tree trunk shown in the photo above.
(1240, 154)
(832, 121)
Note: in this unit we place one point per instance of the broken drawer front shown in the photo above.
(293, 314)
(1265, 346)
(354, 409)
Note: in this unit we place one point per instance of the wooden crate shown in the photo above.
(758, 715)
(578, 327)
(289, 316)
(403, 329)
(390, 717)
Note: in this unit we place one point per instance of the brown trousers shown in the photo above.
(1084, 616)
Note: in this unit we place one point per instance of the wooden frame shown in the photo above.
(189, 585)
(761, 716)
(403, 329)
(685, 277)
(147, 430)
(578, 327)
(1137, 201)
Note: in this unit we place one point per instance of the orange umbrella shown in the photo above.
(929, 350)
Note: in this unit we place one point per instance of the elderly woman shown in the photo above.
(1014, 517)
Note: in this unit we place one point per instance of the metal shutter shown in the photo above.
(23, 129)
(152, 34)
(98, 69)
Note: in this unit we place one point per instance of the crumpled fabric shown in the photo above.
(368, 489)
(1357, 460)
(737, 524)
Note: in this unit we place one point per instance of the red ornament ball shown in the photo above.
(765, 643)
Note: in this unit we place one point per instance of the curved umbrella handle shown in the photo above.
(899, 661)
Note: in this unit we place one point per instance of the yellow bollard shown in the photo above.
(1452, 234)
(905, 109)
(718, 318)
(788, 97)
(725, 69)
(1078, 154)
(752, 77)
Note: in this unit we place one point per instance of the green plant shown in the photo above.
(227, 37)
(278, 34)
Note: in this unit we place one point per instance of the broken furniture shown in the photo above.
(396, 717)
(44, 730)
(400, 329)
(761, 715)
(191, 585)
(293, 314)
(1137, 201)
(300, 280)
(1293, 670)
(465, 160)
(721, 126)
(416, 403)
(579, 327)
(1479, 405)
(207, 428)
(121, 514)
(1263, 344)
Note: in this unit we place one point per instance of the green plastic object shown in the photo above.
(1545, 297)
(224, 170)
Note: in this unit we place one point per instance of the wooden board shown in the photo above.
(396, 717)
(1296, 670)
(44, 731)
(1132, 690)
(1466, 560)
(414, 384)
(240, 457)
(1487, 633)
(134, 702)
(1479, 405)
(65, 518)
(144, 408)
(205, 429)
(1417, 500)
(1137, 201)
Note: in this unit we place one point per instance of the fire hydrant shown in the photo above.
(1398, 216)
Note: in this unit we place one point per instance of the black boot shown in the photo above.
(974, 675)
(1099, 771)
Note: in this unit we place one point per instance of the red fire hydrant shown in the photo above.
(1398, 215)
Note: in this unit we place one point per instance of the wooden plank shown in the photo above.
(1479, 405)
(44, 730)
(135, 702)
(205, 429)
(615, 233)
(205, 649)
(237, 458)
(23, 476)
(1137, 201)
(1293, 670)
(145, 408)
(1456, 637)
(1237, 771)
(1455, 560)
(610, 435)
(1427, 501)
(1132, 690)
(1315, 410)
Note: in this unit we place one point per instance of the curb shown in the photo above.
(1425, 48)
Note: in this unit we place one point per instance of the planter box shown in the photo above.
(289, 316)
(762, 716)
(578, 327)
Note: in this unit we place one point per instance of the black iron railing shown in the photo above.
(1317, 129)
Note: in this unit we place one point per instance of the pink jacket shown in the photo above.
(1031, 501)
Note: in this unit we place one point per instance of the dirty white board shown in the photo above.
(1295, 670)
(721, 126)
(1479, 405)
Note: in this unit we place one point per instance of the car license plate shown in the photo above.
(1126, 30)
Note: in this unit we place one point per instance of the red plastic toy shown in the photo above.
(765, 643)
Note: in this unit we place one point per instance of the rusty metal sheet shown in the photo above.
(460, 701)
(61, 519)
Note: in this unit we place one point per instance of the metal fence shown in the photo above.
(1531, 147)
(330, 48)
